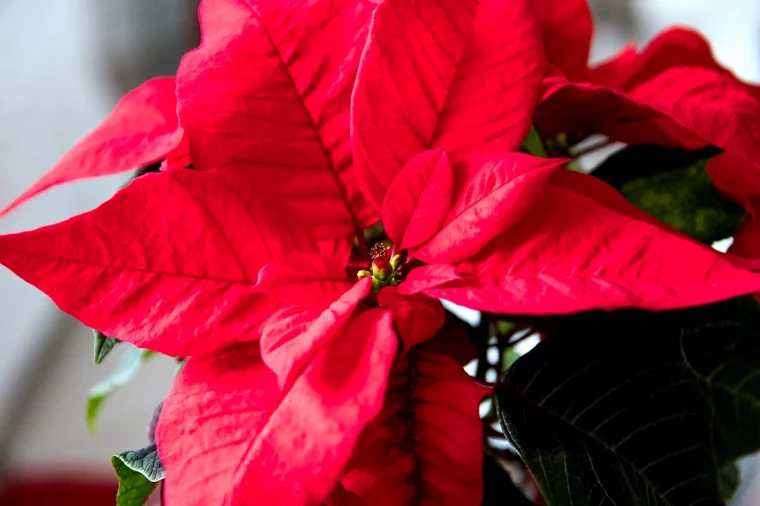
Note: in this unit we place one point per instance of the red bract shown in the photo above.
(268, 91)
(305, 385)
(141, 130)
(672, 93)
(462, 83)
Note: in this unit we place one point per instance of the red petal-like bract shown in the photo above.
(419, 199)
(556, 261)
(426, 447)
(416, 317)
(294, 335)
(675, 47)
(268, 92)
(502, 189)
(228, 435)
(169, 263)
(460, 75)
(712, 104)
(305, 279)
(141, 129)
(566, 27)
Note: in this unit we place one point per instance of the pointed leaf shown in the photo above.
(416, 318)
(712, 104)
(144, 461)
(463, 83)
(129, 365)
(142, 128)
(607, 261)
(582, 109)
(630, 426)
(227, 424)
(268, 92)
(291, 339)
(501, 191)
(418, 199)
(102, 346)
(168, 264)
(426, 446)
(673, 47)
(566, 28)
(134, 487)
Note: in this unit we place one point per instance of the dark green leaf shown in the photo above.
(129, 364)
(498, 488)
(638, 408)
(102, 346)
(139, 473)
(673, 186)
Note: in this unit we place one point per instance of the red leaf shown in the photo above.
(243, 441)
(674, 47)
(419, 199)
(567, 27)
(502, 190)
(306, 279)
(583, 109)
(292, 338)
(443, 74)
(556, 261)
(141, 129)
(416, 317)
(712, 104)
(426, 447)
(268, 92)
(168, 264)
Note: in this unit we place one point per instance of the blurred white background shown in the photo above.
(63, 65)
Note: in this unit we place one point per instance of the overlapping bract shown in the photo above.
(307, 123)
(673, 93)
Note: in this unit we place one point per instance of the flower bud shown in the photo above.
(381, 268)
(363, 274)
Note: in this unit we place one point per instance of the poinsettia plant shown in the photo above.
(319, 176)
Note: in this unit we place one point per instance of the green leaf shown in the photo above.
(102, 345)
(673, 186)
(129, 364)
(139, 473)
(533, 144)
(638, 408)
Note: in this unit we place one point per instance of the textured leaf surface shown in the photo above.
(674, 186)
(142, 128)
(292, 338)
(227, 423)
(134, 487)
(461, 82)
(500, 192)
(168, 264)
(129, 365)
(144, 461)
(419, 199)
(268, 93)
(566, 28)
(426, 445)
(634, 427)
(557, 261)
(306, 279)
(102, 346)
